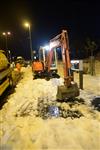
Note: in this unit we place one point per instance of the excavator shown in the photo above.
(69, 89)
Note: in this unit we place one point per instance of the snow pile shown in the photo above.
(22, 128)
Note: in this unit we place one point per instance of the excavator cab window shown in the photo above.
(53, 64)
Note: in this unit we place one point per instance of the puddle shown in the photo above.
(53, 111)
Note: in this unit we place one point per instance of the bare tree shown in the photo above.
(90, 46)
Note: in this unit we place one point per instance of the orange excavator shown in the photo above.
(70, 88)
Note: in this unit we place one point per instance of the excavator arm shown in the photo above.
(69, 89)
(62, 41)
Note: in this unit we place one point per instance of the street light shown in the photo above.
(27, 25)
(6, 34)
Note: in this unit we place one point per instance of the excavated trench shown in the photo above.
(57, 109)
(47, 109)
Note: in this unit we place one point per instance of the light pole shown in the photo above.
(29, 27)
(6, 34)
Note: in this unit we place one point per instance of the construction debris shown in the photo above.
(47, 109)
(96, 103)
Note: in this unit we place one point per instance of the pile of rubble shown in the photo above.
(46, 109)
(96, 103)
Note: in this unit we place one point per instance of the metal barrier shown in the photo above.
(77, 66)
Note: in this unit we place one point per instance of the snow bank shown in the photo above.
(30, 132)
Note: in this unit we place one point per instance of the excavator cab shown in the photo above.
(37, 67)
(49, 59)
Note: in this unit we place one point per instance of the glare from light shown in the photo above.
(54, 44)
(34, 57)
(8, 33)
(26, 24)
(4, 33)
(47, 47)
(74, 61)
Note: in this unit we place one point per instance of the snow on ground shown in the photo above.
(31, 132)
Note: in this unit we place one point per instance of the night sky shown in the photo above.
(81, 18)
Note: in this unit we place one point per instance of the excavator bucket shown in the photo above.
(64, 92)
